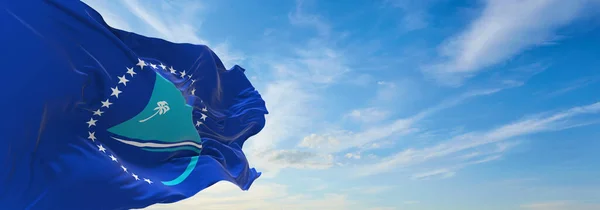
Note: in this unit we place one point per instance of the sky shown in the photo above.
(403, 104)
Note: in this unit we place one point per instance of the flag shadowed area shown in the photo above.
(100, 118)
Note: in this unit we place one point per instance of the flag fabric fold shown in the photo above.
(100, 118)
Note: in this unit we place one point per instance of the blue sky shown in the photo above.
(413, 104)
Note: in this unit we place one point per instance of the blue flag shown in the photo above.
(99, 118)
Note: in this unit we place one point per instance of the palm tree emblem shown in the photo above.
(162, 107)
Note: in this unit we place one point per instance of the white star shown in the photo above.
(98, 112)
(123, 80)
(153, 65)
(130, 71)
(113, 158)
(141, 64)
(135, 176)
(203, 118)
(204, 109)
(198, 123)
(115, 91)
(147, 180)
(101, 148)
(172, 70)
(194, 91)
(163, 66)
(124, 169)
(190, 76)
(92, 122)
(183, 74)
(193, 80)
(92, 136)
(106, 103)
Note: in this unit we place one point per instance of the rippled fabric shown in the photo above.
(99, 118)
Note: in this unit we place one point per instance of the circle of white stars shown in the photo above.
(116, 91)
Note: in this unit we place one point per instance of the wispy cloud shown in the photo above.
(414, 13)
(315, 63)
(352, 155)
(381, 131)
(574, 85)
(395, 93)
(283, 123)
(504, 29)
(539, 123)
(444, 173)
(370, 189)
(299, 159)
(301, 18)
(316, 60)
(449, 168)
(368, 115)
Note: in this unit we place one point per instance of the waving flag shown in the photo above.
(99, 118)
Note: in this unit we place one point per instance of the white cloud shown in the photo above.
(369, 189)
(574, 85)
(376, 145)
(298, 159)
(499, 148)
(504, 29)
(315, 141)
(352, 155)
(379, 132)
(301, 18)
(558, 121)
(389, 92)
(414, 13)
(444, 173)
(452, 168)
(372, 156)
(224, 195)
(560, 205)
(316, 60)
(351, 139)
(368, 115)
(283, 123)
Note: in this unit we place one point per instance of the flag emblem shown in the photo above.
(164, 125)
